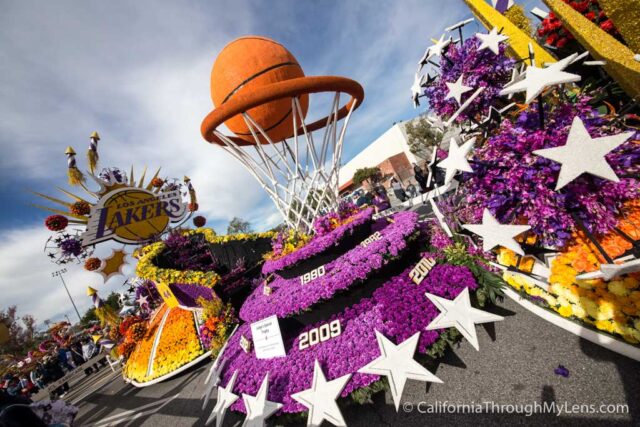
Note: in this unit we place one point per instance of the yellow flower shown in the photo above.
(606, 310)
(617, 287)
(604, 325)
(578, 311)
(590, 306)
(565, 311)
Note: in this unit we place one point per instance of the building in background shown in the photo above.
(390, 152)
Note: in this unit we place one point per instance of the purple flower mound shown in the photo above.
(188, 294)
(480, 68)
(515, 184)
(318, 244)
(290, 297)
(398, 309)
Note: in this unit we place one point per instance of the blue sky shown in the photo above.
(138, 72)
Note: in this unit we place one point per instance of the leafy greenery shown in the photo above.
(421, 137)
(491, 285)
(21, 331)
(239, 226)
(373, 175)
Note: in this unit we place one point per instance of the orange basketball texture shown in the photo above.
(244, 66)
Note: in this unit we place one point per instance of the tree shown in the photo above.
(421, 137)
(238, 226)
(21, 331)
(373, 175)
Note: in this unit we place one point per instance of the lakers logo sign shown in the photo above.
(133, 215)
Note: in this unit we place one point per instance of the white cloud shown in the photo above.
(26, 281)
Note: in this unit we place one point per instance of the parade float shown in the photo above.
(547, 155)
(187, 280)
(343, 300)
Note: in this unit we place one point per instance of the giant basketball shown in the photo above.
(247, 65)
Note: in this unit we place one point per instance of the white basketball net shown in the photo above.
(299, 174)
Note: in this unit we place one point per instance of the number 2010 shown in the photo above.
(321, 334)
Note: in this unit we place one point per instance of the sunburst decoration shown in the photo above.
(77, 208)
(112, 266)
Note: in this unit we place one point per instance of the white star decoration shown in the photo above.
(536, 80)
(609, 271)
(583, 154)
(258, 407)
(439, 46)
(493, 233)
(212, 380)
(461, 315)
(457, 89)
(321, 398)
(142, 300)
(225, 399)
(491, 40)
(457, 159)
(436, 122)
(397, 364)
(416, 89)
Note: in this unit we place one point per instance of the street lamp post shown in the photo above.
(59, 273)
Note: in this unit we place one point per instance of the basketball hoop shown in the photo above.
(298, 174)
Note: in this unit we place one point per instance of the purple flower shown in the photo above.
(318, 244)
(289, 296)
(518, 186)
(562, 371)
(398, 309)
(70, 246)
(480, 68)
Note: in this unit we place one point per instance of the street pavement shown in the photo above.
(513, 373)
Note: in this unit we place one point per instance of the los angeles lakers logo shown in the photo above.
(133, 215)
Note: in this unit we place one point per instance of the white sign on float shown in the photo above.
(267, 338)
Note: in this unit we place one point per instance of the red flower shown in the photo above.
(590, 16)
(562, 42)
(607, 26)
(92, 264)
(81, 208)
(56, 222)
(199, 221)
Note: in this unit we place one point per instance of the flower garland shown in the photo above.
(147, 269)
(480, 69)
(289, 297)
(318, 243)
(593, 302)
(398, 309)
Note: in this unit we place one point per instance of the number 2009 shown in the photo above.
(321, 334)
